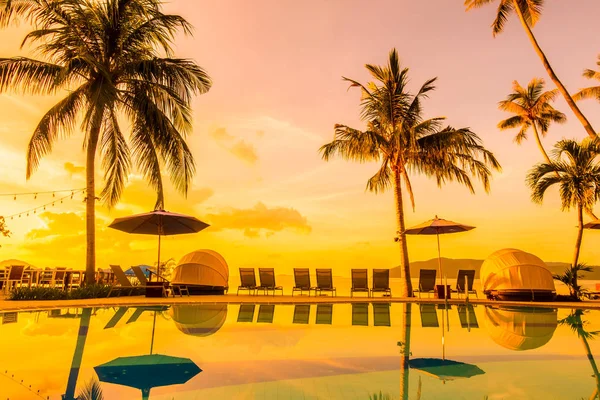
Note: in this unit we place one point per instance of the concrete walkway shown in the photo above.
(8, 305)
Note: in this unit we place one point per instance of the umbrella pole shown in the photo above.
(439, 258)
(153, 326)
(158, 265)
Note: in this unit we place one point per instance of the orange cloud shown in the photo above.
(220, 134)
(260, 218)
(74, 169)
(244, 151)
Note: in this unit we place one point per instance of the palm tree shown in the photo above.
(572, 274)
(399, 137)
(576, 170)
(529, 12)
(591, 92)
(405, 352)
(91, 391)
(3, 229)
(532, 109)
(111, 59)
(84, 326)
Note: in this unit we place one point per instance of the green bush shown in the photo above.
(84, 292)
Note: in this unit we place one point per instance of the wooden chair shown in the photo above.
(360, 282)
(14, 276)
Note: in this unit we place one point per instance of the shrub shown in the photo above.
(84, 292)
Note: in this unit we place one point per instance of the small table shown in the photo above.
(442, 291)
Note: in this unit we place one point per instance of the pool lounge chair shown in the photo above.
(360, 282)
(469, 275)
(247, 280)
(124, 282)
(116, 317)
(325, 282)
(466, 314)
(381, 314)
(302, 281)
(381, 282)
(301, 314)
(246, 313)
(324, 314)
(426, 281)
(267, 281)
(14, 277)
(429, 318)
(360, 314)
(266, 312)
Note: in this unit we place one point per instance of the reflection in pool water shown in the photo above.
(302, 351)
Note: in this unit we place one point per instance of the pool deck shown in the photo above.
(33, 305)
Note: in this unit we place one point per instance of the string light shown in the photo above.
(21, 382)
(43, 206)
(35, 194)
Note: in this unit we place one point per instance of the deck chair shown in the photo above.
(381, 282)
(302, 281)
(360, 314)
(266, 312)
(324, 314)
(116, 318)
(267, 281)
(426, 282)
(60, 277)
(246, 313)
(301, 313)
(14, 277)
(429, 318)
(381, 314)
(325, 282)
(124, 283)
(360, 282)
(466, 314)
(469, 275)
(247, 280)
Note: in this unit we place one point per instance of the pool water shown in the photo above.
(302, 351)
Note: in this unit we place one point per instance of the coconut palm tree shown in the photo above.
(84, 326)
(402, 140)
(111, 60)
(529, 12)
(91, 391)
(532, 109)
(592, 92)
(575, 168)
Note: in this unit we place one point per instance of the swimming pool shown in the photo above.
(301, 351)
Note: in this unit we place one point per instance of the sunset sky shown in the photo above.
(261, 183)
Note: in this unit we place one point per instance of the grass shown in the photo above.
(85, 292)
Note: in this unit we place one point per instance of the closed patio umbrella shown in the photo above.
(445, 370)
(438, 226)
(159, 223)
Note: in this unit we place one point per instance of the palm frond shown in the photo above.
(91, 391)
(116, 161)
(28, 76)
(355, 145)
(588, 93)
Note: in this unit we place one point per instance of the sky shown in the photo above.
(261, 184)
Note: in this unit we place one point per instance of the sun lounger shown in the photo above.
(324, 282)
(381, 282)
(267, 281)
(14, 277)
(116, 318)
(381, 314)
(124, 283)
(469, 275)
(466, 314)
(429, 318)
(324, 314)
(360, 282)
(360, 314)
(266, 312)
(246, 313)
(301, 314)
(247, 280)
(302, 281)
(136, 315)
(426, 281)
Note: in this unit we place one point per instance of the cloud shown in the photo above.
(245, 152)
(74, 169)
(260, 218)
(221, 135)
(260, 134)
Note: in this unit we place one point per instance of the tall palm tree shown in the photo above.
(110, 59)
(399, 137)
(575, 168)
(84, 326)
(404, 345)
(529, 12)
(592, 92)
(532, 109)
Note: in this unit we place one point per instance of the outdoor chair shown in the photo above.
(381, 282)
(60, 276)
(124, 283)
(469, 275)
(426, 281)
(246, 313)
(116, 318)
(325, 282)
(466, 314)
(302, 281)
(15, 277)
(429, 318)
(324, 314)
(266, 312)
(267, 281)
(247, 280)
(46, 278)
(381, 314)
(3, 278)
(360, 314)
(360, 282)
(301, 313)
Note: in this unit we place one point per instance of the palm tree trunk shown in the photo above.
(590, 357)
(578, 243)
(84, 324)
(562, 89)
(540, 145)
(90, 208)
(405, 355)
(404, 263)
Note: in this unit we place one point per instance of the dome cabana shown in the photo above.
(203, 272)
(520, 329)
(199, 320)
(512, 274)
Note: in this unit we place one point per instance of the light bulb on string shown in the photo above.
(15, 198)
(35, 196)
